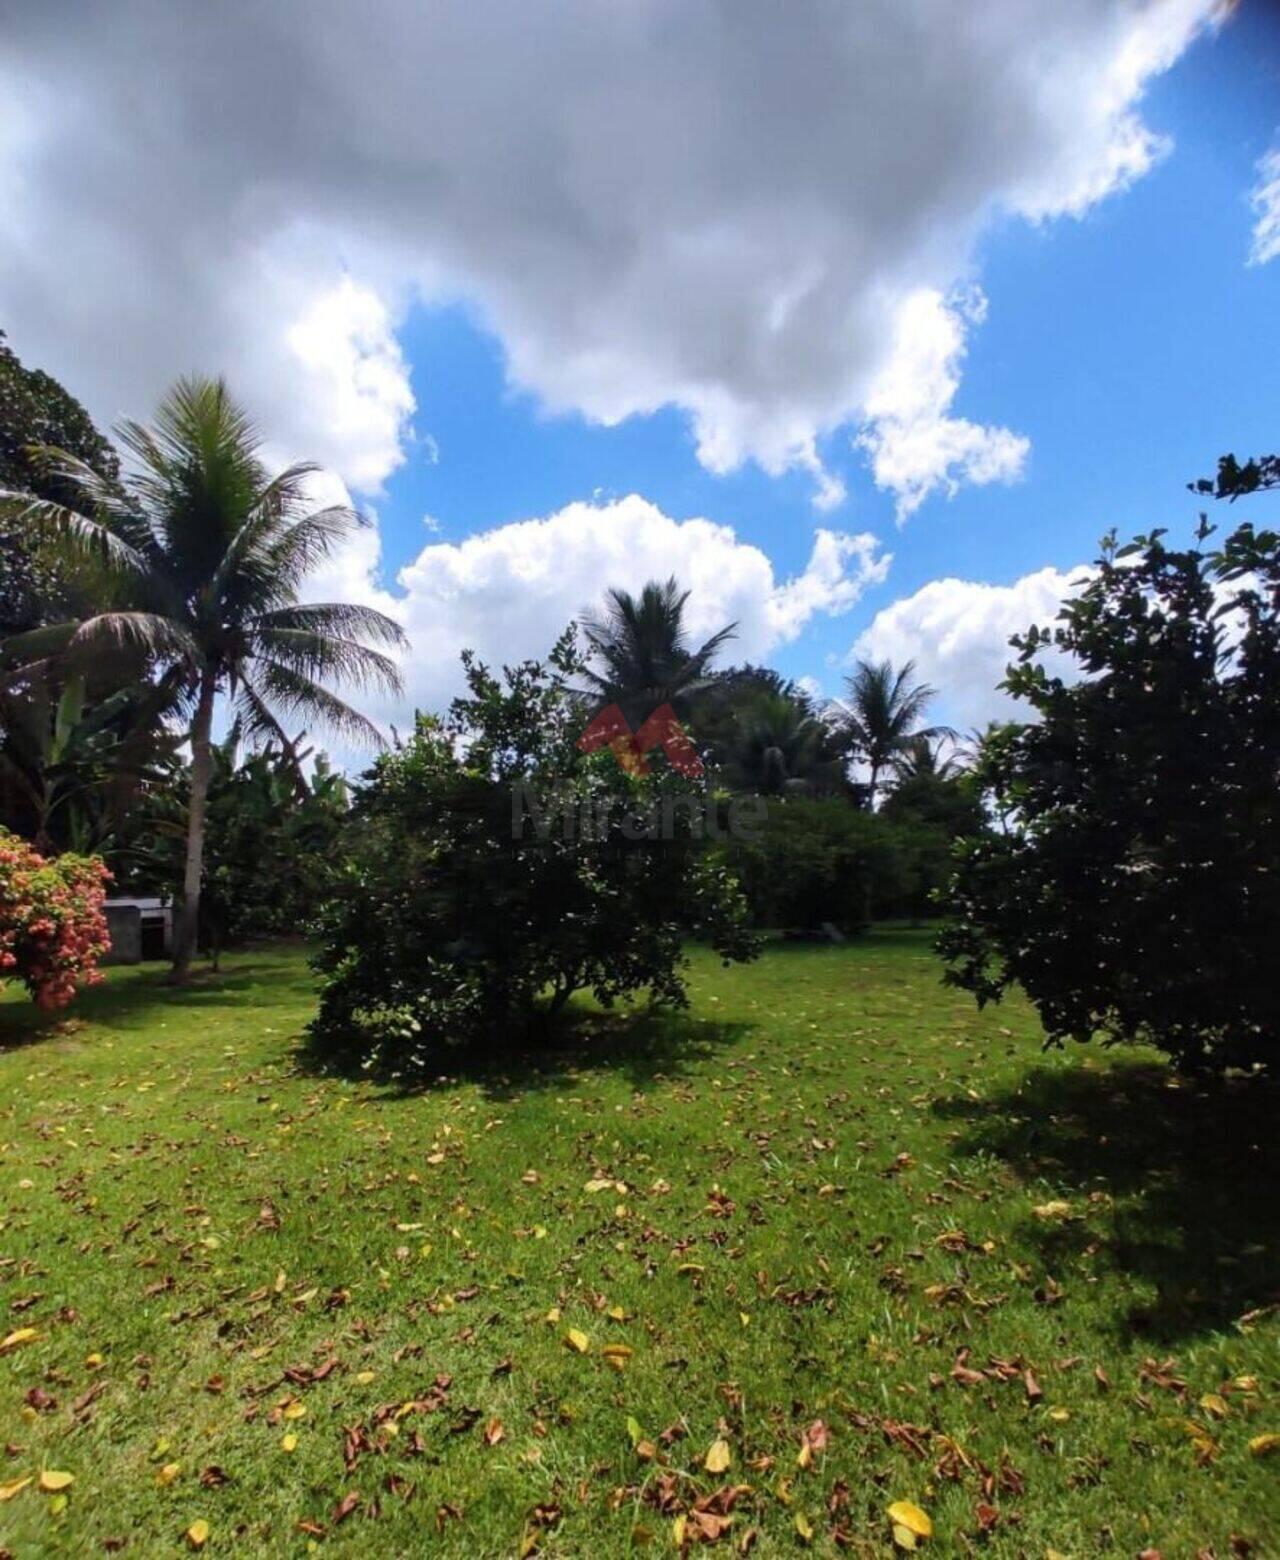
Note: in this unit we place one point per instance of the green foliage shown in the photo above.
(766, 738)
(816, 860)
(1135, 889)
(274, 844)
(72, 768)
(35, 410)
(934, 792)
(881, 716)
(640, 654)
(462, 920)
(203, 555)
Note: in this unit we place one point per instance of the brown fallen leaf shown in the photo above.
(346, 1506)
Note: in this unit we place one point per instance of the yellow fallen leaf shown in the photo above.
(1215, 1405)
(596, 1184)
(198, 1533)
(168, 1473)
(435, 1159)
(8, 1491)
(364, 1377)
(295, 1410)
(289, 1442)
(1263, 1445)
(51, 1481)
(1060, 1415)
(677, 1531)
(718, 1456)
(16, 1339)
(577, 1341)
(804, 1458)
(1053, 1210)
(552, 1316)
(407, 1229)
(804, 1528)
(906, 1514)
(616, 1355)
(903, 1536)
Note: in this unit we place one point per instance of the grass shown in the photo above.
(832, 1168)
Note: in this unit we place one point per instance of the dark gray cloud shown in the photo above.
(729, 205)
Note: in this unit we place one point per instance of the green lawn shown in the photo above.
(812, 1199)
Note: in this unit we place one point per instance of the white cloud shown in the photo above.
(723, 207)
(508, 592)
(957, 632)
(1264, 198)
(914, 444)
(359, 401)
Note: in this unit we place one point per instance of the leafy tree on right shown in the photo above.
(1134, 889)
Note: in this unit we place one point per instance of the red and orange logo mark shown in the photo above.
(610, 729)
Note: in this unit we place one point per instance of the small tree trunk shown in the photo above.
(201, 766)
(867, 901)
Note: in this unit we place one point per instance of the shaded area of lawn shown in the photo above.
(136, 997)
(1192, 1168)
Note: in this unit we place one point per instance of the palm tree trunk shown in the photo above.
(867, 900)
(201, 767)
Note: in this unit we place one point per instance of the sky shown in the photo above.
(864, 318)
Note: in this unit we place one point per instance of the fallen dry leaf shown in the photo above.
(718, 1456)
(909, 1523)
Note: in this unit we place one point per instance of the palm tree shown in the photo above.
(779, 746)
(922, 758)
(202, 556)
(641, 653)
(881, 716)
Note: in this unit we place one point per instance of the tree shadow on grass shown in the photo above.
(135, 994)
(642, 1045)
(1190, 1168)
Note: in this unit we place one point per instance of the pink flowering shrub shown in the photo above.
(52, 926)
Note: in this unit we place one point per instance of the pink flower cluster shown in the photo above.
(52, 927)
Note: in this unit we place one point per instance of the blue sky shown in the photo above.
(1132, 345)
(733, 261)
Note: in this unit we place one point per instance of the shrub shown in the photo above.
(462, 920)
(814, 860)
(820, 859)
(1135, 889)
(52, 927)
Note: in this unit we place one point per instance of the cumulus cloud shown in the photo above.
(726, 207)
(914, 444)
(508, 592)
(1264, 198)
(957, 632)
